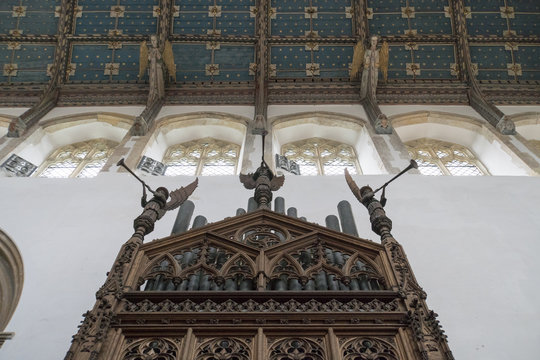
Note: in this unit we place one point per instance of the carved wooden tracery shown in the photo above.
(151, 349)
(226, 292)
(369, 348)
(225, 348)
(296, 349)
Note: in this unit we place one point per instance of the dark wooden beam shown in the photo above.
(262, 50)
(477, 100)
(154, 104)
(50, 95)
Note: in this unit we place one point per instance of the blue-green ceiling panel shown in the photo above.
(425, 61)
(492, 61)
(331, 61)
(35, 17)
(488, 18)
(387, 24)
(99, 63)
(134, 17)
(229, 18)
(385, 6)
(327, 18)
(423, 17)
(26, 63)
(231, 62)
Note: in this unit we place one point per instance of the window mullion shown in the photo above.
(319, 161)
(200, 163)
(83, 163)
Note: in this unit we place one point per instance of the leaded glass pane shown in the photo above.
(317, 156)
(462, 168)
(436, 157)
(61, 169)
(204, 157)
(427, 168)
(84, 159)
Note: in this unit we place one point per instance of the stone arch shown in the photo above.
(470, 132)
(65, 130)
(11, 280)
(343, 128)
(175, 129)
(528, 126)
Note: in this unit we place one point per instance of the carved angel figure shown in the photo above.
(157, 206)
(264, 182)
(369, 61)
(151, 57)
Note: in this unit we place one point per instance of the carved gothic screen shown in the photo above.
(259, 286)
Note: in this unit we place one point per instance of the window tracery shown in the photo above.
(296, 349)
(436, 158)
(318, 156)
(202, 157)
(83, 159)
(152, 349)
(223, 349)
(368, 349)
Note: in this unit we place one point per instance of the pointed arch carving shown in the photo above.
(364, 348)
(233, 267)
(297, 348)
(164, 264)
(225, 348)
(151, 349)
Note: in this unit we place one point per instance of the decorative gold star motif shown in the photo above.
(212, 69)
(18, 11)
(10, 69)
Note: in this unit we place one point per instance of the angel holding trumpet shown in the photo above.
(152, 58)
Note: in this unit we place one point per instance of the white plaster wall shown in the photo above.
(245, 111)
(42, 142)
(488, 151)
(392, 110)
(472, 242)
(512, 110)
(281, 110)
(3, 131)
(164, 139)
(12, 111)
(70, 110)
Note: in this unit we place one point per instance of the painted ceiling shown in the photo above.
(215, 40)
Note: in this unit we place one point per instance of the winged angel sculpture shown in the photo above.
(368, 61)
(264, 182)
(151, 57)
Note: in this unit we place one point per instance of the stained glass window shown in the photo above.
(202, 157)
(436, 158)
(318, 156)
(83, 159)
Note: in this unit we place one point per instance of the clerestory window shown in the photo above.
(84, 159)
(202, 157)
(436, 158)
(318, 156)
